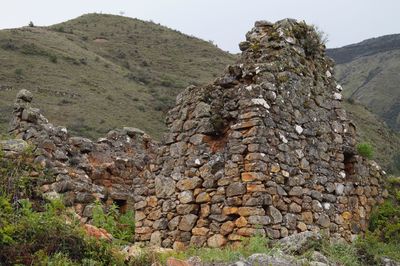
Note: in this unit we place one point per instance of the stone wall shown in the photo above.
(266, 149)
(115, 169)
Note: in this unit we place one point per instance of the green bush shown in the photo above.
(53, 58)
(385, 222)
(36, 232)
(121, 226)
(365, 149)
(395, 165)
(371, 248)
(15, 181)
(59, 28)
(18, 72)
(383, 236)
(32, 49)
(32, 237)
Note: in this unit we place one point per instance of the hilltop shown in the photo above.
(369, 73)
(98, 72)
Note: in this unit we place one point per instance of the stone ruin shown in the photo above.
(112, 170)
(264, 150)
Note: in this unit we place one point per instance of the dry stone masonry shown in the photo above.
(115, 169)
(264, 150)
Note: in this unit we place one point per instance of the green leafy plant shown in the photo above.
(365, 149)
(383, 236)
(36, 232)
(32, 237)
(120, 225)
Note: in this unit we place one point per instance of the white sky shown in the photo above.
(223, 21)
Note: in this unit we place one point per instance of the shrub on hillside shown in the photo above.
(53, 58)
(365, 149)
(18, 72)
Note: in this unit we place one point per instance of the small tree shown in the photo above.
(31, 24)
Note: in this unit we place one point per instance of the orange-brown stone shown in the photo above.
(250, 176)
(230, 210)
(227, 227)
(307, 217)
(255, 188)
(241, 222)
(245, 231)
(346, 215)
(200, 231)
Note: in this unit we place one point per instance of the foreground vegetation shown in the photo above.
(34, 231)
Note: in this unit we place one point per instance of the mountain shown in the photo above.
(98, 72)
(369, 73)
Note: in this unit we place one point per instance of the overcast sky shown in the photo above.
(223, 21)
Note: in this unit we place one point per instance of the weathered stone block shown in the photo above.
(187, 222)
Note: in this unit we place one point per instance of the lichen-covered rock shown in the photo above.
(13, 146)
(298, 243)
(273, 259)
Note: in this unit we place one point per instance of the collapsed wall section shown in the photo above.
(266, 149)
(113, 170)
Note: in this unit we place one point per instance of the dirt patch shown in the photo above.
(100, 40)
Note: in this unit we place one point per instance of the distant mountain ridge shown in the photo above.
(367, 47)
(369, 72)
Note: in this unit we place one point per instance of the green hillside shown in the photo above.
(371, 129)
(369, 72)
(98, 72)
